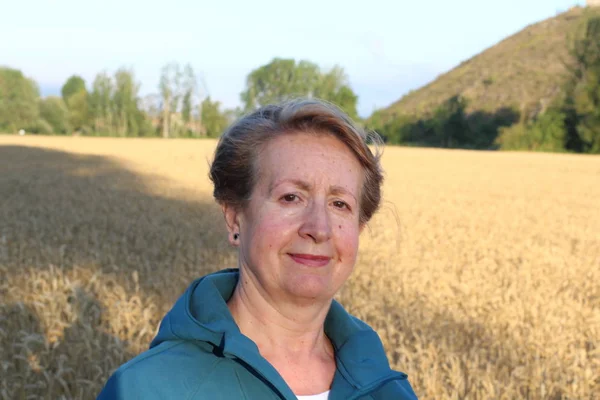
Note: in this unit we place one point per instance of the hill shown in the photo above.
(524, 72)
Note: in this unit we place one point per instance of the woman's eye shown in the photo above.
(340, 204)
(290, 198)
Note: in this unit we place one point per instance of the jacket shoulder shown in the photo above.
(174, 369)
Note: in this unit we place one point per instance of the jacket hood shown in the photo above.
(201, 314)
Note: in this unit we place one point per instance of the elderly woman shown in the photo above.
(297, 183)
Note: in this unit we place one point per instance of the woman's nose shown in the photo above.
(316, 224)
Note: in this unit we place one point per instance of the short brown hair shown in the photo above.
(233, 170)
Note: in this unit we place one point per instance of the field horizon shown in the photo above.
(480, 272)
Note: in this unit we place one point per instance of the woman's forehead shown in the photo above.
(304, 160)
(298, 146)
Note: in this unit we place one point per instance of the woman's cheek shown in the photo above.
(277, 227)
(348, 237)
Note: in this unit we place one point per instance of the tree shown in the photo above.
(75, 96)
(285, 78)
(125, 103)
(450, 127)
(346, 99)
(115, 106)
(101, 104)
(77, 104)
(54, 111)
(582, 102)
(214, 120)
(544, 133)
(150, 105)
(170, 92)
(18, 101)
(333, 87)
(180, 101)
(397, 130)
(189, 88)
(73, 85)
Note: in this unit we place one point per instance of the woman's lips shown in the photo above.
(311, 260)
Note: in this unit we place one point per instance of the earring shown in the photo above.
(236, 236)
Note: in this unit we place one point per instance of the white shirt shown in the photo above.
(321, 396)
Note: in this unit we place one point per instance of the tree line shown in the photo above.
(112, 105)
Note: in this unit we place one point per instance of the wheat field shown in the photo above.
(481, 272)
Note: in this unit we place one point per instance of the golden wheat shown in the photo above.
(481, 272)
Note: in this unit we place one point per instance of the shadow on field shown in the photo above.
(72, 364)
(72, 223)
(66, 209)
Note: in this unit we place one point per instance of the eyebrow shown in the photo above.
(296, 182)
(303, 185)
(337, 190)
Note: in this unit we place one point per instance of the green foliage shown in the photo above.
(285, 78)
(114, 106)
(41, 126)
(546, 133)
(55, 112)
(333, 86)
(186, 108)
(582, 90)
(129, 120)
(214, 120)
(573, 123)
(188, 90)
(18, 101)
(101, 105)
(449, 126)
(77, 104)
(398, 130)
(75, 96)
(73, 85)
(178, 92)
(344, 98)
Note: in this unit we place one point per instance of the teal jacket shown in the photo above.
(199, 353)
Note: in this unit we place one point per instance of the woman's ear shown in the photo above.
(232, 217)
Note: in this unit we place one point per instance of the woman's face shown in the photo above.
(299, 232)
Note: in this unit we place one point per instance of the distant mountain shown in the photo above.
(524, 72)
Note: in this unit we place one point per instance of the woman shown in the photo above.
(297, 183)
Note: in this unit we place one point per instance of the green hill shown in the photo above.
(524, 73)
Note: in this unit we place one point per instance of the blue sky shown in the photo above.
(386, 47)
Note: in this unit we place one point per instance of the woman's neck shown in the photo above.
(281, 327)
(288, 335)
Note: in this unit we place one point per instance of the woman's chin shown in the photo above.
(311, 287)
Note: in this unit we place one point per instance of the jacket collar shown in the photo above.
(201, 314)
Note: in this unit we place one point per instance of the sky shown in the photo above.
(386, 47)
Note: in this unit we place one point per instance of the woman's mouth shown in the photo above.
(310, 260)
